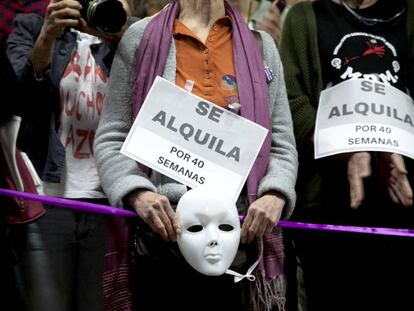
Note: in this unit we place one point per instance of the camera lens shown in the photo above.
(107, 15)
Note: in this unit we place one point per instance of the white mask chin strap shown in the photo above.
(238, 277)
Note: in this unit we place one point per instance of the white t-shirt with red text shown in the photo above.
(82, 92)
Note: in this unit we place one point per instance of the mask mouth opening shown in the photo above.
(107, 15)
(213, 258)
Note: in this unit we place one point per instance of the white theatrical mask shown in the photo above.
(210, 230)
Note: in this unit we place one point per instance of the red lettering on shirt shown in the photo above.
(88, 66)
(70, 140)
(83, 134)
(82, 94)
(73, 66)
(101, 74)
(67, 104)
(99, 102)
(91, 140)
(78, 104)
(90, 105)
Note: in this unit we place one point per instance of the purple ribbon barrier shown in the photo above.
(353, 229)
(339, 228)
(104, 209)
(73, 204)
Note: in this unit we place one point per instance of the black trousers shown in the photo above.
(348, 271)
(9, 293)
(163, 280)
(60, 261)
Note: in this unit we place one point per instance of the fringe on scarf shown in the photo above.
(268, 295)
(117, 296)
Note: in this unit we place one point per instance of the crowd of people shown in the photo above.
(78, 72)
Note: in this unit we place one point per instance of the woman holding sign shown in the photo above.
(206, 48)
(330, 43)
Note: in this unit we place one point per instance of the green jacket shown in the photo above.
(303, 76)
(300, 57)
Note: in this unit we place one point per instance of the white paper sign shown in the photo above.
(192, 140)
(358, 115)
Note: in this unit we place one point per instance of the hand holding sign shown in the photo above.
(262, 216)
(156, 211)
(359, 167)
(393, 173)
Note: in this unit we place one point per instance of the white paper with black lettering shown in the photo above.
(358, 115)
(192, 140)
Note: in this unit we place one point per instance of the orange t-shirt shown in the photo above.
(209, 65)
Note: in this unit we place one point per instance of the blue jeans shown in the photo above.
(60, 260)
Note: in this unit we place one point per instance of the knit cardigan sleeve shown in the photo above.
(119, 174)
(300, 58)
(283, 162)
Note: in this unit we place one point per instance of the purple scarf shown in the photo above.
(251, 81)
(253, 95)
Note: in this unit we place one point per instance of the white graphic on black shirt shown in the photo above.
(361, 55)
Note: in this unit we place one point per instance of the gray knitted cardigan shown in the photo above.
(120, 175)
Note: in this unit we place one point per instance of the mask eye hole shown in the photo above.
(195, 228)
(226, 227)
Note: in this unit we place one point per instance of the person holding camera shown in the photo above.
(62, 61)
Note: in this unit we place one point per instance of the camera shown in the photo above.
(107, 16)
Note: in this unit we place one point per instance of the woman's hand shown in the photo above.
(155, 210)
(359, 167)
(262, 216)
(393, 173)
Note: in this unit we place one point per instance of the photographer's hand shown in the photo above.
(59, 14)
